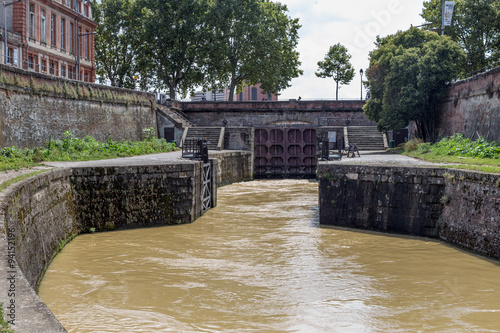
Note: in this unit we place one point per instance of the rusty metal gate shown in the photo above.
(285, 152)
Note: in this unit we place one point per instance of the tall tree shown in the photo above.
(407, 76)
(253, 41)
(337, 66)
(117, 41)
(175, 40)
(475, 27)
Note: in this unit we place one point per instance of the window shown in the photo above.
(87, 53)
(53, 30)
(42, 26)
(10, 56)
(254, 94)
(63, 34)
(32, 21)
(86, 10)
(44, 65)
(63, 70)
(30, 61)
(51, 67)
(71, 37)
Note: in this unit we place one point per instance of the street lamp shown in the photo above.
(361, 74)
(5, 49)
(78, 50)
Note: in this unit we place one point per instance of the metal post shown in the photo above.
(442, 17)
(5, 33)
(361, 74)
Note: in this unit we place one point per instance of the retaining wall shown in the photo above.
(470, 106)
(459, 207)
(35, 107)
(41, 213)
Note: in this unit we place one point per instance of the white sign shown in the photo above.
(332, 136)
(448, 12)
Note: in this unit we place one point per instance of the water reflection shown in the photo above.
(258, 262)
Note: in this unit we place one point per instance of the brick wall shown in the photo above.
(35, 107)
(253, 114)
(470, 106)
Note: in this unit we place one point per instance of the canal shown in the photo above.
(260, 262)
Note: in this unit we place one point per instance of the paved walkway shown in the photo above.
(367, 158)
(383, 158)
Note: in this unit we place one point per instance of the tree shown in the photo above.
(336, 65)
(407, 77)
(253, 41)
(175, 37)
(117, 41)
(475, 27)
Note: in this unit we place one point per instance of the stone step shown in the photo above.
(365, 137)
(213, 135)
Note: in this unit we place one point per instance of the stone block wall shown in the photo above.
(111, 198)
(399, 200)
(233, 166)
(459, 207)
(239, 138)
(35, 107)
(471, 215)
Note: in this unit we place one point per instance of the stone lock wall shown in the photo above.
(459, 207)
(40, 214)
(400, 200)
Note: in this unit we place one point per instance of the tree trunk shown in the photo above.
(232, 88)
(171, 92)
(337, 91)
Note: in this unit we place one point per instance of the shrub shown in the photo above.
(412, 144)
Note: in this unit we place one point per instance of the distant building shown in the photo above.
(249, 93)
(52, 37)
(221, 95)
(254, 93)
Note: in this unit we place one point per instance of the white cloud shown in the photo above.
(353, 24)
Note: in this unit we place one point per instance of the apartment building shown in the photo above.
(53, 37)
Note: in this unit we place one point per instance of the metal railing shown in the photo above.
(195, 149)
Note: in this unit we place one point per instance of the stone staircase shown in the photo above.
(213, 135)
(175, 115)
(365, 137)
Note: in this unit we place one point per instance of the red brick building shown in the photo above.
(54, 37)
(254, 93)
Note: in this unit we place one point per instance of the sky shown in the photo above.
(353, 23)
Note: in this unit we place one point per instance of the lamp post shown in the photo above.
(361, 74)
(78, 50)
(5, 49)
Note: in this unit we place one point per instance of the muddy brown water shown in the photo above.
(259, 262)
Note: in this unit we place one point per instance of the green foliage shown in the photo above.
(475, 27)
(118, 41)
(408, 74)
(74, 149)
(459, 146)
(337, 66)
(253, 41)
(412, 145)
(4, 325)
(149, 133)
